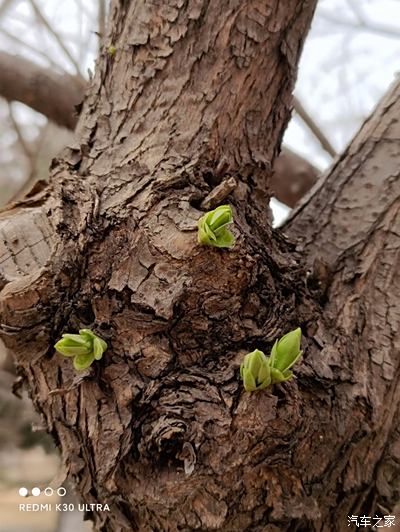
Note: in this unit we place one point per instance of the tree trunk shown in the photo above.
(196, 94)
(355, 250)
(59, 96)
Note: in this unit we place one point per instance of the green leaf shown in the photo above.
(255, 362)
(273, 354)
(97, 349)
(75, 338)
(220, 217)
(104, 344)
(255, 371)
(87, 334)
(264, 384)
(85, 347)
(212, 229)
(83, 361)
(264, 373)
(277, 376)
(71, 350)
(224, 239)
(295, 360)
(248, 381)
(286, 351)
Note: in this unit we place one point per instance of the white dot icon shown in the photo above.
(35, 492)
(48, 491)
(61, 491)
(23, 492)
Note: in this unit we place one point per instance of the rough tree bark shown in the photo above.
(58, 97)
(160, 429)
(355, 248)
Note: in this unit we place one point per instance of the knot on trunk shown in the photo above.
(163, 441)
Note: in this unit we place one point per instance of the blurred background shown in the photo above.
(47, 54)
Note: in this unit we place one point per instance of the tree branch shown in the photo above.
(180, 107)
(313, 127)
(378, 189)
(46, 24)
(292, 178)
(51, 94)
(56, 95)
(21, 139)
(32, 50)
(179, 318)
(363, 26)
(348, 231)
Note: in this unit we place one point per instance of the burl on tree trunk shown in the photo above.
(196, 98)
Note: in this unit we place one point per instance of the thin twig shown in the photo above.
(356, 11)
(26, 148)
(5, 6)
(312, 126)
(26, 45)
(378, 29)
(34, 152)
(32, 178)
(56, 36)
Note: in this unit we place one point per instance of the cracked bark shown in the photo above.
(59, 96)
(356, 248)
(196, 94)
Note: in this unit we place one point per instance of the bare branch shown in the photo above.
(33, 176)
(56, 36)
(313, 127)
(293, 177)
(5, 6)
(36, 51)
(24, 145)
(51, 94)
(364, 25)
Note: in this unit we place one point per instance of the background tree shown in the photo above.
(196, 94)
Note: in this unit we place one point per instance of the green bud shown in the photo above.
(255, 371)
(277, 376)
(83, 361)
(112, 50)
(212, 228)
(85, 347)
(285, 353)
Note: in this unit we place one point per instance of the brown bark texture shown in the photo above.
(192, 106)
(59, 97)
(354, 251)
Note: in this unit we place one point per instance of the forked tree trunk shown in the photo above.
(197, 93)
